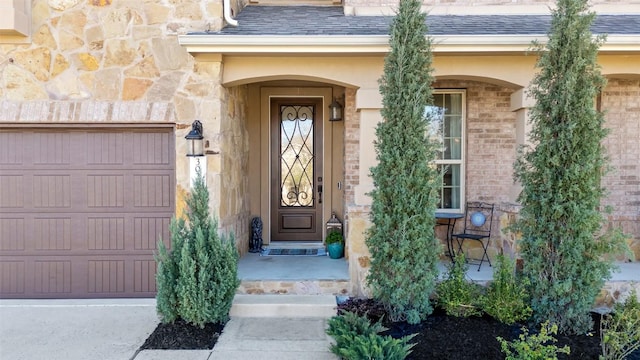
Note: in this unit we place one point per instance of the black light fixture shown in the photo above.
(335, 111)
(195, 139)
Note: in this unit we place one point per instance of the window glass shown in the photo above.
(446, 127)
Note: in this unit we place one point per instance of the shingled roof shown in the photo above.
(330, 20)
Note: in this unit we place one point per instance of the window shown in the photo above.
(448, 122)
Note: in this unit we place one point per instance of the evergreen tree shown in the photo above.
(562, 244)
(402, 242)
(198, 279)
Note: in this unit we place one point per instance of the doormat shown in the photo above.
(294, 252)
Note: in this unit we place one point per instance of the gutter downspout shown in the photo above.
(226, 11)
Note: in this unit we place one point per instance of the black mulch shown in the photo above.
(439, 337)
(183, 336)
(447, 337)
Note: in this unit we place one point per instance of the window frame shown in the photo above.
(463, 150)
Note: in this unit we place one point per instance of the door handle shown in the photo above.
(319, 194)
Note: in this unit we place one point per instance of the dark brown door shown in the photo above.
(296, 169)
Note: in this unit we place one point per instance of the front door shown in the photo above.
(296, 169)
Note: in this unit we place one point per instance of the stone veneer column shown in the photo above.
(222, 112)
(520, 104)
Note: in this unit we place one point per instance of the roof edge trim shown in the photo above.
(375, 44)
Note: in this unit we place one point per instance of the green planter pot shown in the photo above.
(336, 250)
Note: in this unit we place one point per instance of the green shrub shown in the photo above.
(357, 339)
(197, 279)
(620, 331)
(533, 347)
(404, 249)
(334, 237)
(456, 295)
(564, 239)
(506, 298)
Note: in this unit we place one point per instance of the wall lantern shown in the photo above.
(335, 111)
(195, 140)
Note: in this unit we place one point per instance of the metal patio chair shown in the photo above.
(477, 226)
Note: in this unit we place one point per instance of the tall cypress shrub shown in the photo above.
(198, 278)
(563, 245)
(403, 246)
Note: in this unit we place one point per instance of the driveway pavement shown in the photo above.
(75, 329)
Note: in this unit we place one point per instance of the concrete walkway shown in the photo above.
(74, 329)
(115, 329)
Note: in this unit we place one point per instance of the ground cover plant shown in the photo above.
(540, 346)
(456, 295)
(445, 337)
(563, 244)
(507, 298)
(620, 331)
(402, 242)
(197, 279)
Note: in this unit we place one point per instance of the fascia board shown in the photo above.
(376, 44)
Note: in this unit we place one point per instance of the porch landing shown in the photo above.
(313, 275)
(300, 275)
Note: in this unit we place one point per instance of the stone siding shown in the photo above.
(234, 184)
(117, 61)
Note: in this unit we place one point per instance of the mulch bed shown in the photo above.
(448, 337)
(440, 336)
(183, 336)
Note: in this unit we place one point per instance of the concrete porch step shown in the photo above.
(283, 306)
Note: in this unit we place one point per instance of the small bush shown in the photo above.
(358, 339)
(533, 347)
(334, 237)
(456, 295)
(620, 331)
(507, 298)
(197, 279)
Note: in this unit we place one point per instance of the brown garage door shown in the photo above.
(81, 210)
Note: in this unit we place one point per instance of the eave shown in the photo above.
(362, 45)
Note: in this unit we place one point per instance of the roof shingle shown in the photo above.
(330, 20)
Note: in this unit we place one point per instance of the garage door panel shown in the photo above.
(12, 278)
(152, 148)
(12, 233)
(105, 233)
(11, 191)
(152, 191)
(10, 150)
(52, 233)
(82, 216)
(149, 230)
(105, 191)
(144, 277)
(106, 276)
(53, 148)
(51, 191)
(52, 277)
(105, 149)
